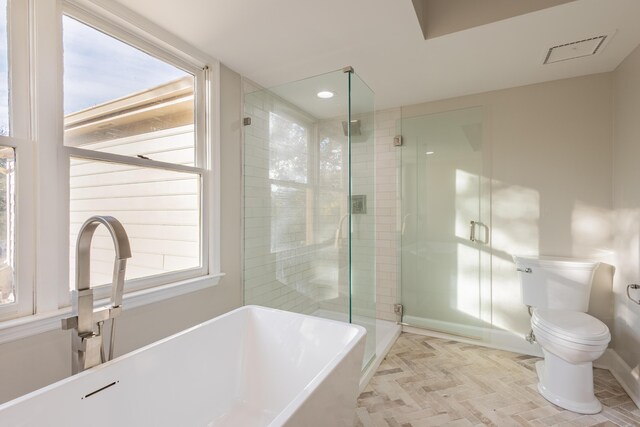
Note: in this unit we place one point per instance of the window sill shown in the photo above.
(27, 326)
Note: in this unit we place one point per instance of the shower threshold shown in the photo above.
(386, 335)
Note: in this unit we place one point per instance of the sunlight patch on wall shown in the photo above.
(516, 212)
(627, 237)
(516, 216)
(591, 228)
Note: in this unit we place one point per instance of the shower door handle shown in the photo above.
(484, 235)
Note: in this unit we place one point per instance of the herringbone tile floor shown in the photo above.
(427, 381)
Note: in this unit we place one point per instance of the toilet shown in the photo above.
(558, 290)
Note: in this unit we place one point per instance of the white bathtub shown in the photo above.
(250, 367)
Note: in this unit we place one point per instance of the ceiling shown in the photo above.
(278, 41)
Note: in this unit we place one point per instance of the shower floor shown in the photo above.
(427, 381)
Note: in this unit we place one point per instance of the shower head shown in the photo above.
(355, 127)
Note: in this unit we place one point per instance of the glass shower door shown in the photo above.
(444, 227)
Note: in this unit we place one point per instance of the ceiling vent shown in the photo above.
(573, 50)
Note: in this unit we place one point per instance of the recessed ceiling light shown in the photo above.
(325, 94)
(430, 152)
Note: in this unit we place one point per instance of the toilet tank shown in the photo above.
(555, 283)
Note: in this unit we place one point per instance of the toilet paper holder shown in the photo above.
(629, 288)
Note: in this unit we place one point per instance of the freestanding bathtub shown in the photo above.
(250, 367)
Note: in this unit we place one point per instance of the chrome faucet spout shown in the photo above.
(83, 250)
(87, 343)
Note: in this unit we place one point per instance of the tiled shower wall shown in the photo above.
(387, 213)
(295, 258)
(273, 279)
(363, 237)
(287, 279)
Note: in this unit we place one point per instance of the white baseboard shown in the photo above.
(628, 377)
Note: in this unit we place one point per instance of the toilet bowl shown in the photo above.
(557, 294)
(570, 342)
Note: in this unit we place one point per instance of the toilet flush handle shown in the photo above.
(524, 270)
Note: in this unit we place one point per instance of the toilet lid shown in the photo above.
(572, 326)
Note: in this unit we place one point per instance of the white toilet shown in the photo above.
(558, 290)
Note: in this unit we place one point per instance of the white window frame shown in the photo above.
(20, 140)
(201, 142)
(24, 236)
(42, 205)
(284, 110)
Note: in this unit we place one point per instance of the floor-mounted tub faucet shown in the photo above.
(87, 346)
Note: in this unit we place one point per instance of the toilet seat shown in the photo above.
(572, 327)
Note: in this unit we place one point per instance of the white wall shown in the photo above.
(284, 256)
(626, 201)
(549, 153)
(31, 363)
(362, 171)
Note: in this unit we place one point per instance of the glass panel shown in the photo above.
(4, 70)
(296, 211)
(299, 234)
(331, 163)
(288, 149)
(7, 225)
(442, 160)
(289, 217)
(120, 100)
(159, 209)
(362, 208)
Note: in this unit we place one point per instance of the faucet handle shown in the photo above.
(99, 315)
(70, 323)
(106, 313)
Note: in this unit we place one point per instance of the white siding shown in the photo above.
(159, 209)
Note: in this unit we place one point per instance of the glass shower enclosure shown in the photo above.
(309, 229)
(445, 247)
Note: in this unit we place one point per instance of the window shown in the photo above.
(7, 225)
(7, 175)
(295, 175)
(15, 163)
(114, 119)
(288, 149)
(130, 122)
(290, 152)
(306, 178)
(4, 70)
